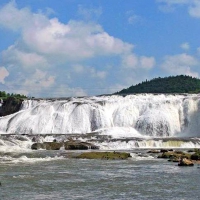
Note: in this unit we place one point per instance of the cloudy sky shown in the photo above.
(51, 48)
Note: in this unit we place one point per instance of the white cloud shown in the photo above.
(130, 61)
(142, 62)
(180, 64)
(72, 41)
(89, 13)
(132, 17)
(185, 46)
(39, 80)
(3, 74)
(147, 62)
(52, 55)
(194, 9)
(78, 68)
(89, 71)
(193, 6)
(26, 60)
(16, 19)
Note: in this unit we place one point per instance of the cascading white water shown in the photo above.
(143, 114)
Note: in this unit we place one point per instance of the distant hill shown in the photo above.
(171, 84)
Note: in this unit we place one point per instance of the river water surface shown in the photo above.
(43, 175)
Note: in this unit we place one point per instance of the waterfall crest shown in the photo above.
(143, 114)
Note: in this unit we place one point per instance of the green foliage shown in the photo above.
(172, 84)
(4, 95)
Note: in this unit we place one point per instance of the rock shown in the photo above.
(77, 145)
(163, 150)
(153, 151)
(104, 155)
(195, 156)
(69, 145)
(185, 162)
(47, 146)
(190, 151)
(173, 159)
(174, 154)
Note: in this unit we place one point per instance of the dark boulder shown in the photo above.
(77, 145)
(69, 145)
(195, 156)
(153, 151)
(163, 150)
(47, 146)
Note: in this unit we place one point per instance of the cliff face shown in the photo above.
(10, 106)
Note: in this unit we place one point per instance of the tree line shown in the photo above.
(171, 84)
(3, 94)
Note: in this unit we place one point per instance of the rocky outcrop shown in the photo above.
(10, 106)
(196, 155)
(153, 151)
(174, 155)
(185, 162)
(47, 146)
(73, 145)
(104, 155)
(69, 145)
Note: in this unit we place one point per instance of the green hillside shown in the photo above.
(172, 84)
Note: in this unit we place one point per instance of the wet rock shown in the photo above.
(47, 146)
(195, 156)
(153, 151)
(163, 150)
(77, 145)
(185, 162)
(173, 159)
(104, 155)
(174, 154)
(69, 145)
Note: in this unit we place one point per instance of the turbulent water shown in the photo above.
(46, 176)
(132, 123)
(125, 122)
(136, 115)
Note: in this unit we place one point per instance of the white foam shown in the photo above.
(144, 114)
(136, 157)
(120, 132)
(25, 159)
(146, 144)
(15, 145)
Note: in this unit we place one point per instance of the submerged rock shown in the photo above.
(104, 155)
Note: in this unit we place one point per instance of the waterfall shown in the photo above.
(133, 115)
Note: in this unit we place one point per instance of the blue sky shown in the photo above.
(64, 48)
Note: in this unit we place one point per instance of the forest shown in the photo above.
(171, 84)
(4, 95)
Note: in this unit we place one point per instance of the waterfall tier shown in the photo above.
(130, 116)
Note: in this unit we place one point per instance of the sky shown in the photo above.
(51, 48)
